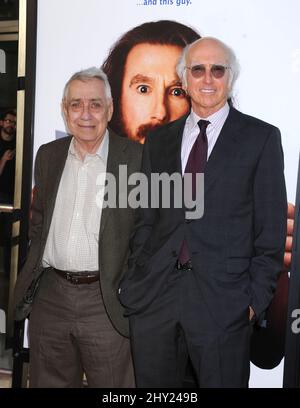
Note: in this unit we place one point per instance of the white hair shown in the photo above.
(231, 61)
(86, 75)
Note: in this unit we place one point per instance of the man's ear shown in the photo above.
(64, 113)
(110, 109)
(64, 110)
(184, 85)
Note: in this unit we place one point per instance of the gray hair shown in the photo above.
(86, 75)
(232, 62)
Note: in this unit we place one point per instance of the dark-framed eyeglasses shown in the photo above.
(216, 70)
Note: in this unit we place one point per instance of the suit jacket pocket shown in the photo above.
(235, 276)
(238, 266)
(23, 309)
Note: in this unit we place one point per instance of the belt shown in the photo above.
(78, 278)
(186, 266)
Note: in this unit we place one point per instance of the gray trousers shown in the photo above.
(70, 335)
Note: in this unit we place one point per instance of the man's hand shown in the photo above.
(251, 313)
(289, 238)
(8, 155)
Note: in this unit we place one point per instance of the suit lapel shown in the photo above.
(173, 145)
(224, 149)
(114, 159)
(55, 169)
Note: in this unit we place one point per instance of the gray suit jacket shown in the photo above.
(114, 234)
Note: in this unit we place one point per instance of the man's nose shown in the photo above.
(159, 108)
(208, 78)
(85, 113)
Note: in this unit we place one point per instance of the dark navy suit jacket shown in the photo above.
(237, 246)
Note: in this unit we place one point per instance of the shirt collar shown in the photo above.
(213, 119)
(102, 151)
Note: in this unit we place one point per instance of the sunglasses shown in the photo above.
(216, 70)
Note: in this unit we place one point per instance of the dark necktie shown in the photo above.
(195, 164)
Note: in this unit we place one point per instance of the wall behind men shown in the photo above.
(76, 34)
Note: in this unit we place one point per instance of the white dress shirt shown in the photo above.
(72, 243)
(191, 131)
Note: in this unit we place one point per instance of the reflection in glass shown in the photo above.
(9, 10)
(8, 102)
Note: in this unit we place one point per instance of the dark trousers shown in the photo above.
(71, 334)
(178, 324)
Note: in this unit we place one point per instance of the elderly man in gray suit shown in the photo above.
(79, 248)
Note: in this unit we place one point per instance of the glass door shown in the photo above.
(9, 35)
(17, 84)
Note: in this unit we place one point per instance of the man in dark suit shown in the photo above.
(7, 180)
(7, 156)
(79, 248)
(194, 287)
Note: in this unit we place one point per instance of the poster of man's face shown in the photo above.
(141, 68)
(151, 94)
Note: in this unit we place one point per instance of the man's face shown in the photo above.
(208, 94)
(9, 125)
(87, 112)
(152, 94)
